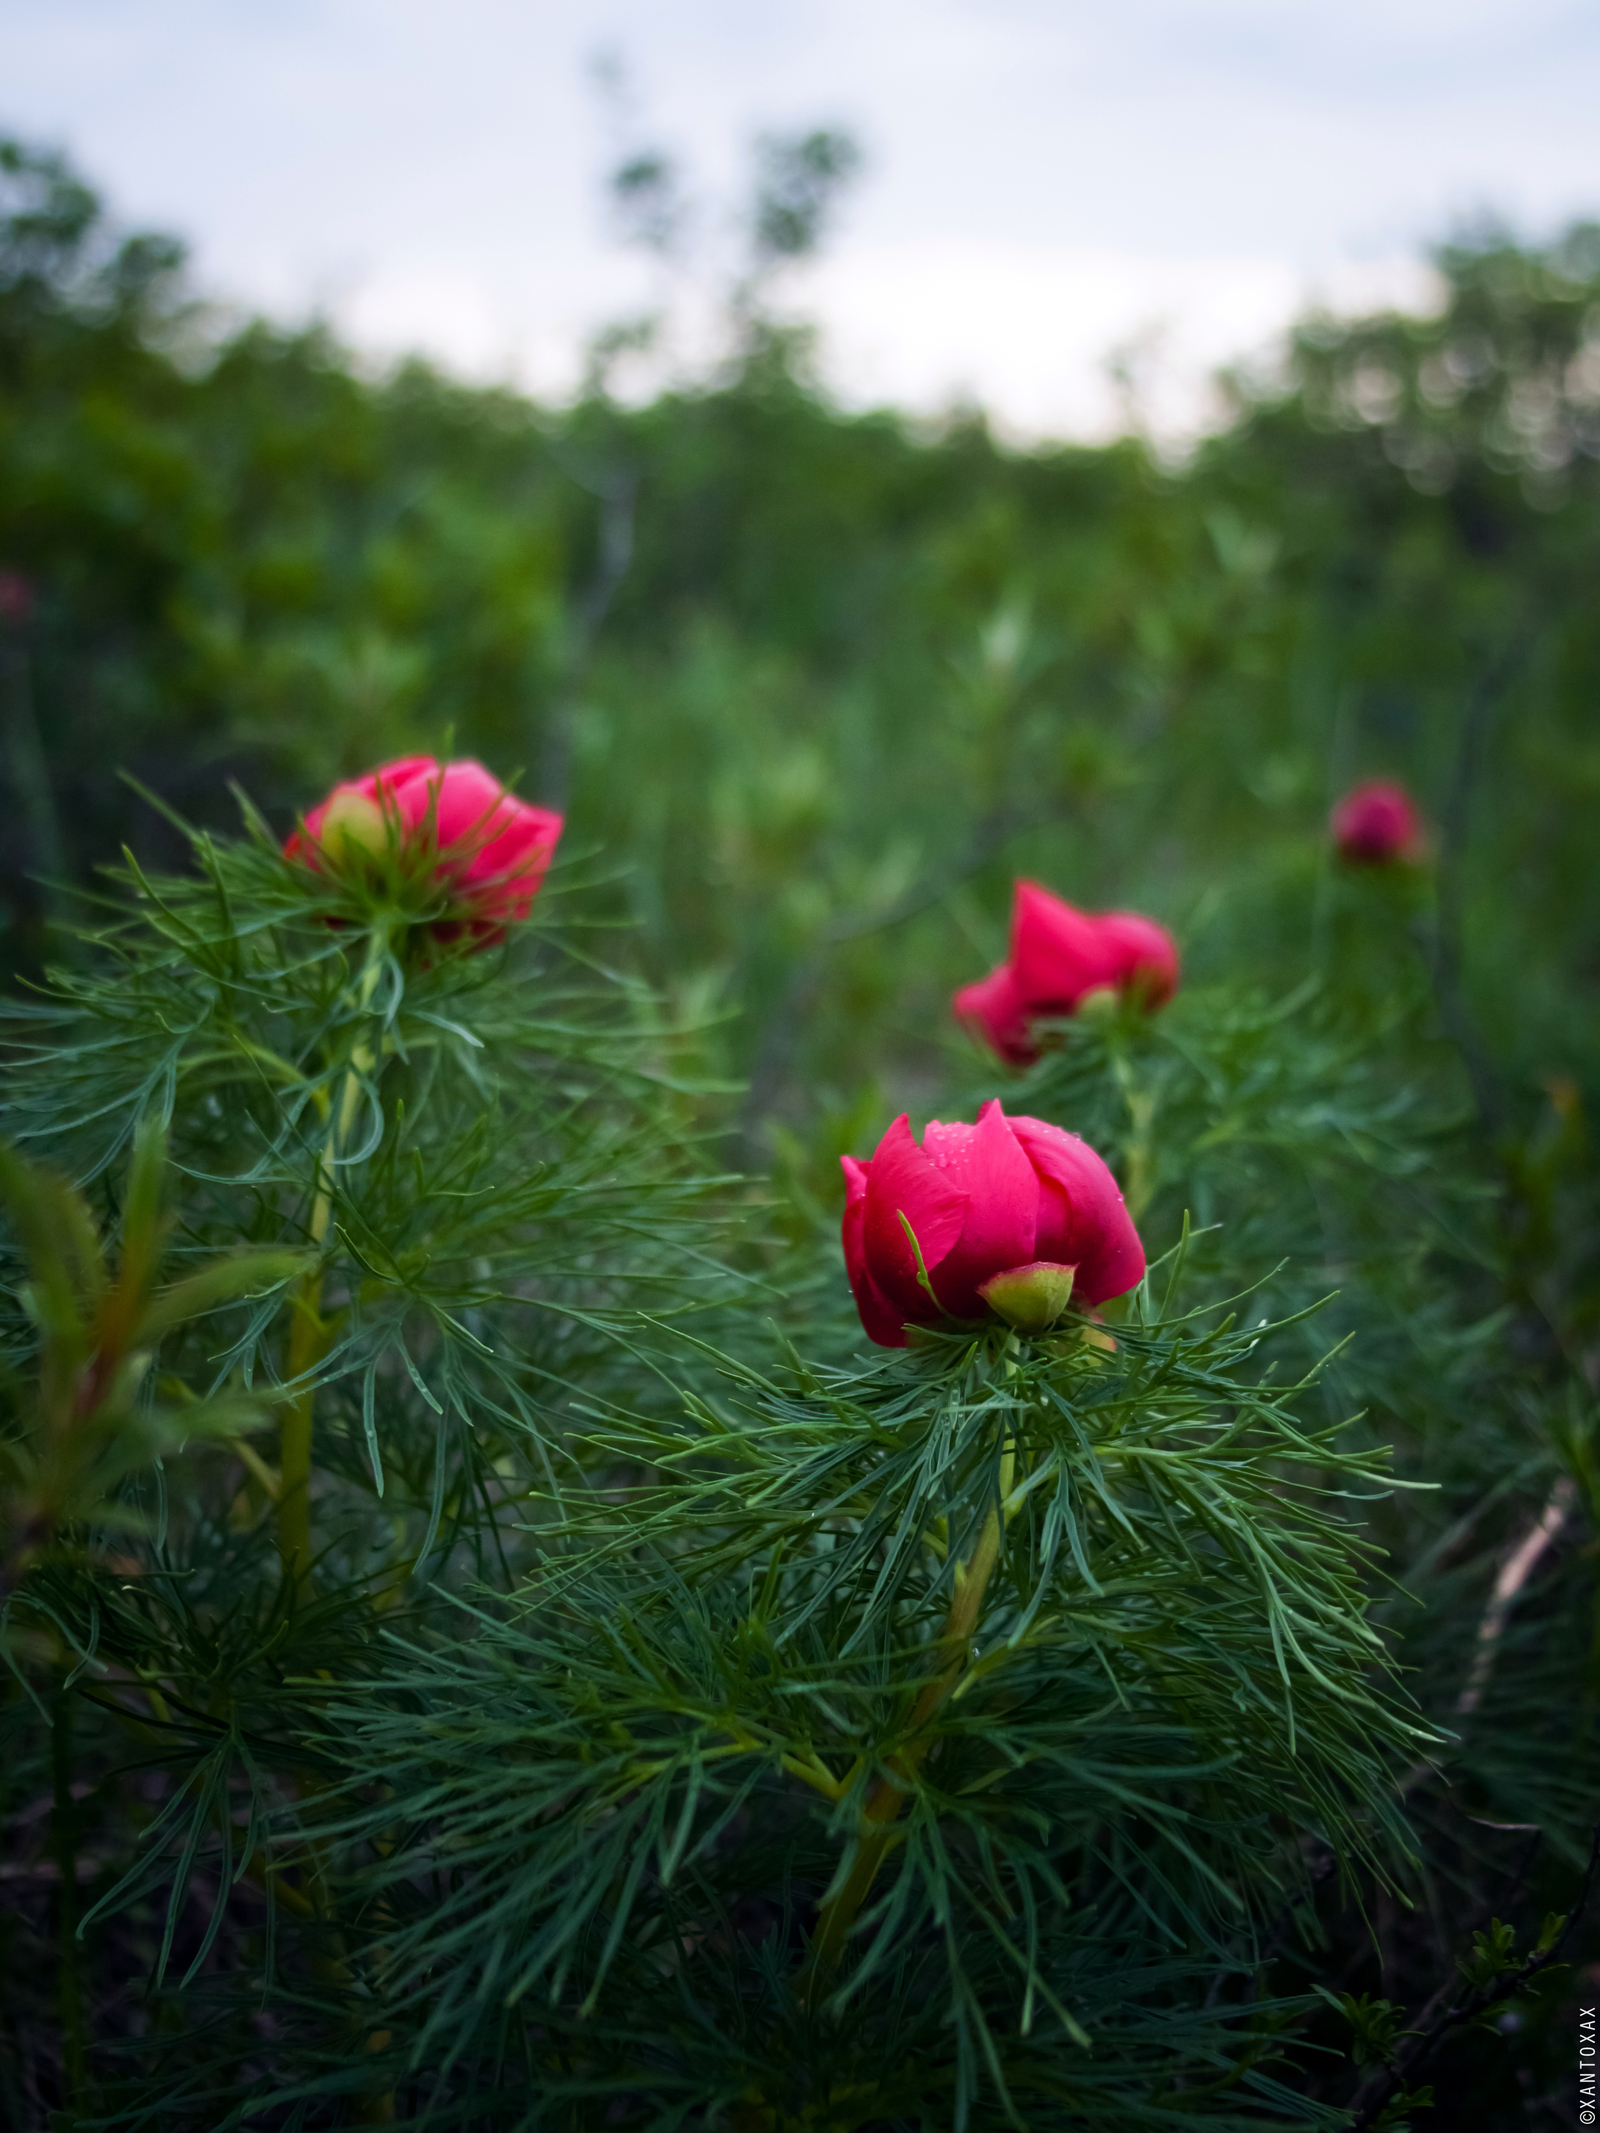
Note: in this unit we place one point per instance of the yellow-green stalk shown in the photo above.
(308, 1331)
(887, 1794)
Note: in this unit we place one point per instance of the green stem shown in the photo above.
(308, 1339)
(888, 1793)
(308, 1332)
(1140, 1182)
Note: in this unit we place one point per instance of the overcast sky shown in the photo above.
(1046, 179)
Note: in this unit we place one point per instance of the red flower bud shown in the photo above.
(491, 848)
(1377, 823)
(927, 1231)
(1059, 956)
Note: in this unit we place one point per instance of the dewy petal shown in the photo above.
(1146, 955)
(902, 1181)
(855, 1184)
(882, 1321)
(1001, 1189)
(994, 1008)
(1058, 953)
(1082, 1219)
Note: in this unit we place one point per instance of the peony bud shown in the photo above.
(1065, 962)
(1010, 1214)
(452, 823)
(1377, 824)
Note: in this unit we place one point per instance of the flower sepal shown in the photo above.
(355, 832)
(1031, 1298)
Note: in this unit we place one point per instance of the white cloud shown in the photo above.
(1048, 178)
(1040, 333)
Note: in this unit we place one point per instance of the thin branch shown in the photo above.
(1514, 1574)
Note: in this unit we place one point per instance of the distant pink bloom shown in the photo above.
(16, 598)
(1059, 955)
(1377, 823)
(1011, 1214)
(491, 848)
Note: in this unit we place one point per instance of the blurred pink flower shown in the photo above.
(491, 848)
(1377, 823)
(1059, 955)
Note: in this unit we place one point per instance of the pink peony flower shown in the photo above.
(491, 848)
(1010, 1215)
(1059, 955)
(1377, 823)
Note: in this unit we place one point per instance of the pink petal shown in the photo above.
(1082, 1219)
(489, 841)
(404, 783)
(882, 1321)
(901, 1180)
(507, 872)
(1058, 953)
(1145, 954)
(402, 771)
(993, 1007)
(1001, 1190)
(473, 808)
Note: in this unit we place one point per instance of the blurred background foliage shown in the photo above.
(825, 681)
